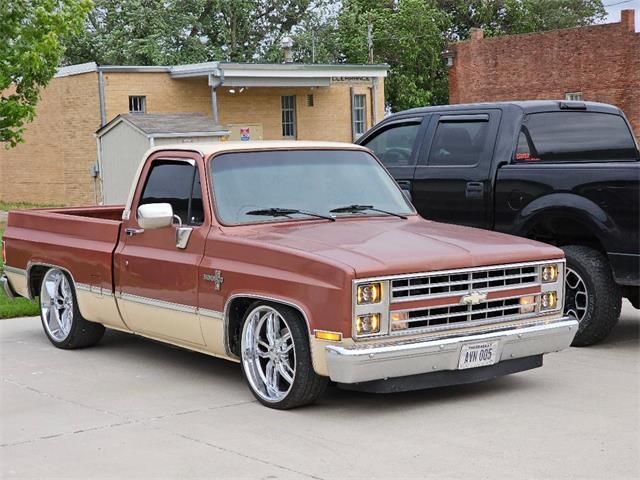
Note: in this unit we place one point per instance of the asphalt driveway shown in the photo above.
(134, 408)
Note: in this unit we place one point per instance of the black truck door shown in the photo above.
(451, 181)
(396, 143)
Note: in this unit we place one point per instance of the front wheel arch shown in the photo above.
(234, 312)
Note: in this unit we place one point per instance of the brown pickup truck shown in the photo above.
(303, 261)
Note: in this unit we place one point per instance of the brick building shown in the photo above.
(305, 102)
(598, 63)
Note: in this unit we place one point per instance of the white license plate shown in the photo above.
(478, 355)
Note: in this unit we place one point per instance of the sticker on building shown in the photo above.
(245, 134)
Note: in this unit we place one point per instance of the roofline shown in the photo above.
(122, 118)
(231, 69)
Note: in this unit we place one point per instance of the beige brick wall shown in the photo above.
(328, 119)
(53, 164)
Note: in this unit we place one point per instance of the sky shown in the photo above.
(613, 8)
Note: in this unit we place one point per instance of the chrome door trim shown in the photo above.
(153, 302)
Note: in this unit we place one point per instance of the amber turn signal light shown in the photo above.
(330, 336)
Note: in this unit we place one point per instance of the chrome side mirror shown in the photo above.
(155, 215)
(182, 234)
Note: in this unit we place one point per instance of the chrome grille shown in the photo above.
(449, 287)
(455, 283)
(450, 314)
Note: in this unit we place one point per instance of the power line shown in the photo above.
(617, 3)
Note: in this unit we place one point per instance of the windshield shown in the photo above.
(317, 181)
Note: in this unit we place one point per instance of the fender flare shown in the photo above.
(568, 205)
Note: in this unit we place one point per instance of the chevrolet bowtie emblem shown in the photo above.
(473, 298)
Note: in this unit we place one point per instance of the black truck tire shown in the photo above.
(58, 299)
(591, 294)
(306, 386)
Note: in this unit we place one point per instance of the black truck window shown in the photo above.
(574, 137)
(459, 143)
(394, 145)
(177, 183)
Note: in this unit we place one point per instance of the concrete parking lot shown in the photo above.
(134, 408)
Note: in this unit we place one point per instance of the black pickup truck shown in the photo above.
(562, 172)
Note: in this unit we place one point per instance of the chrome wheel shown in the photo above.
(576, 295)
(56, 305)
(268, 354)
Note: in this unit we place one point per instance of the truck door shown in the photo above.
(396, 144)
(452, 178)
(156, 281)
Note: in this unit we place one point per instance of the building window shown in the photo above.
(575, 96)
(309, 100)
(359, 115)
(137, 104)
(289, 116)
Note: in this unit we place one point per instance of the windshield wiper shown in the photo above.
(285, 212)
(362, 208)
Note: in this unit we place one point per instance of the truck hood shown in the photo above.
(388, 245)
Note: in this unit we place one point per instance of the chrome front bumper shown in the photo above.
(363, 363)
(6, 287)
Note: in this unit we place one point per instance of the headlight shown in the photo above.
(369, 293)
(549, 301)
(368, 324)
(550, 273)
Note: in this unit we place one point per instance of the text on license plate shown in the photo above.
(478, 355)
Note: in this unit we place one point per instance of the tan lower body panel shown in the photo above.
(100, 308)
(155, 320)
(18, 281)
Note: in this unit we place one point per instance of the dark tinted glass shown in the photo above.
(574, 137)
(177, 183)
(311, 180)
(394, 145)
(458, 143)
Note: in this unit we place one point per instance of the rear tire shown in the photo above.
(61, 319)
(276, 357)
(591, 294)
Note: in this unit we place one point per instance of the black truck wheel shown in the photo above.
(276, 357)
(591, 294)
(60, 315)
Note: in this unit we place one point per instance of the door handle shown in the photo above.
(474, 190)
(130, 232)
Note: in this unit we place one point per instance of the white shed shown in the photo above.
(123, 141)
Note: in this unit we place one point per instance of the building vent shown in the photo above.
(309, 100)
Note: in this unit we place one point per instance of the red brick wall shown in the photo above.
(601, 61)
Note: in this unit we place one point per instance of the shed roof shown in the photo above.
(157, 124)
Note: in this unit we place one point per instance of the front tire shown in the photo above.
(276, 357)
(591, 294)
(61, 319)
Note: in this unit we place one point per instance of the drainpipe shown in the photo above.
(215, 80)
(374, 100)
(103, 113)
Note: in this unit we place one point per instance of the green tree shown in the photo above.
(165, 32)
(499, 17)
(408, 36)
(32, 37)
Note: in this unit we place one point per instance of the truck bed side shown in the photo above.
(80, 240)
(596, 204)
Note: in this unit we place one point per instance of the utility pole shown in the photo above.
(370, 38)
